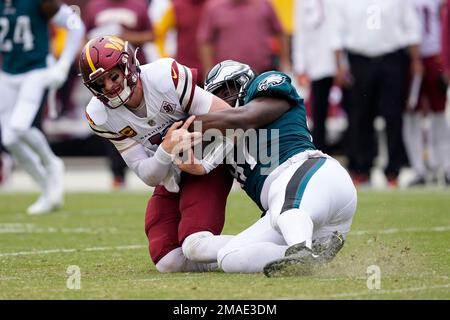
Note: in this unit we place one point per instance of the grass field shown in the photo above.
(406, 234)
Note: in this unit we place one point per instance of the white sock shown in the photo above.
(250, 258)
(203, 246)
(29, 161)
(175, 261)
(296, 227)
(37, 141)
(412, 136)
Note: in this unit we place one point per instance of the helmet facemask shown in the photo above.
(229, 81)
(231, 92)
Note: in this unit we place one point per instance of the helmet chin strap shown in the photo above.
(122, 97)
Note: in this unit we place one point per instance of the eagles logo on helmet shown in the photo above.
(101, 55)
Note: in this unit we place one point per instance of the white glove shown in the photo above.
(57, 74)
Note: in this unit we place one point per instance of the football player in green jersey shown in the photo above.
(26, 74)
(307, 197)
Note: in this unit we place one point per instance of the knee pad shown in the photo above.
(174, 261)
(191, 243)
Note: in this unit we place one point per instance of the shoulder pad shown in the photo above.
(272, 84)
(159, 74)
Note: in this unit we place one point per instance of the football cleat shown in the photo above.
(43, 205)
(418, 181)
(327, 248)
(299, 260)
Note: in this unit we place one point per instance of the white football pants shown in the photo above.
(310, 185)
(21, 96)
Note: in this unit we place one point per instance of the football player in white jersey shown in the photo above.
(24, 78)
(135, 107)
(139, 108)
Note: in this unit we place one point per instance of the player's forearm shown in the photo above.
(151, 170)
(255, 114)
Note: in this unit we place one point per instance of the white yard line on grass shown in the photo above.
(26, 253)
(396, 230)
(131, 247)
(20, 228)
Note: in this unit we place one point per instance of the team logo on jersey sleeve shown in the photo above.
(168, 107)
(271, 81)
(128, 131)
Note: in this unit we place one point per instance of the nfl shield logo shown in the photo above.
(168, 107)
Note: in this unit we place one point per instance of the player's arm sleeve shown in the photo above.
(150, 169)
(67, 18)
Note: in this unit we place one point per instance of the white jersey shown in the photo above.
(170, 95)
(169, 90)
(429, 13)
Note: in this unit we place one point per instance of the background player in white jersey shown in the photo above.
(24, 77)
(135, 107)
(305, 194)
(430, 93)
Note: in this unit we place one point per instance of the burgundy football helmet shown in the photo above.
(98, 57)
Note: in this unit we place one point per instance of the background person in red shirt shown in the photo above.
(242, 30)
(183, 16)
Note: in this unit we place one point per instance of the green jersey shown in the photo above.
(269, 147)
(24, 36)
